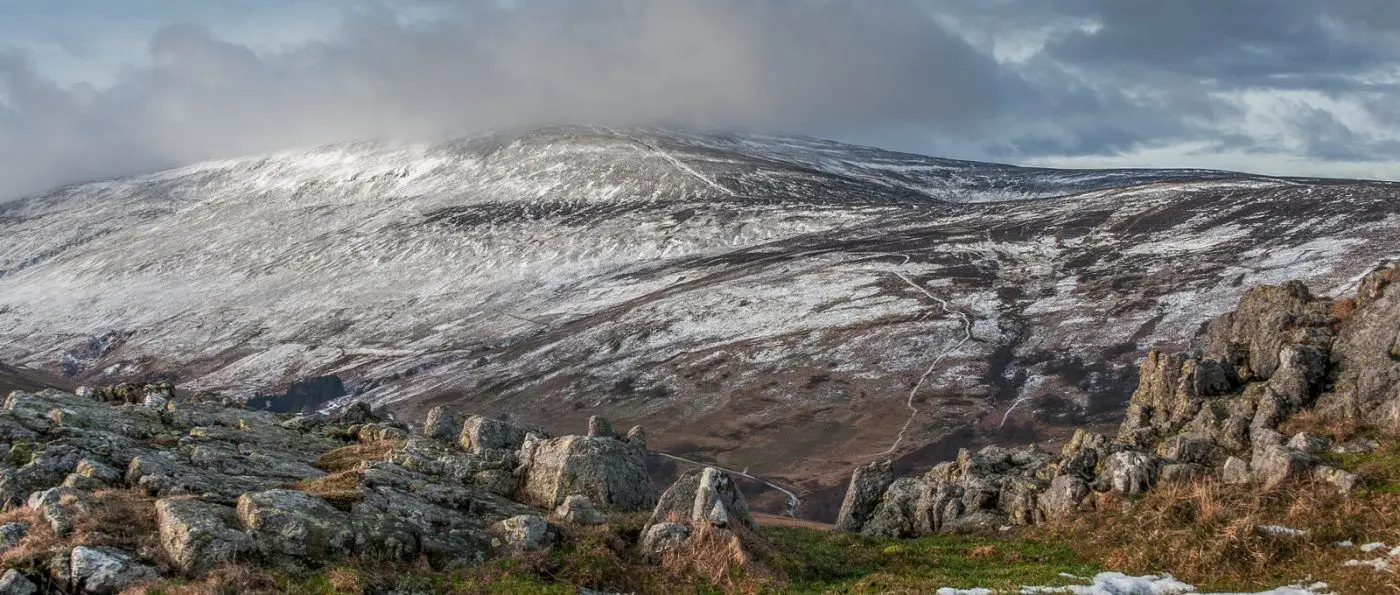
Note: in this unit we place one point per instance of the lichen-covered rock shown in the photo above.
(611, 472)
(11, 534)
(443, 423)
(660, 538)
(1064, 497)
(524, 533)
(705, 496)
(1182, 472)
(1267, 318)
(579, 510)
(200, 535)
(483, 433)
(1130, 473)
(600, 427)
(1190, 449)
(1309, 443)
(105, 571)
(14, 583)
(288, 523)
(1345, 482)
(895, 515)
(1235, 471)
(357, 412)
(1273, 465)
(868, 484)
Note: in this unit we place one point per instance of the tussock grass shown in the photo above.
(1207, 534)
(340, 489)
(349, 457)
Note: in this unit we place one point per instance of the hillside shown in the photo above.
(791, 306)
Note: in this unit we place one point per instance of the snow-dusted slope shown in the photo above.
(769, 302)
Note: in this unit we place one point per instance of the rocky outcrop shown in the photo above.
(611, 471)
(1213, 413)
(229, 485)
(707, 498)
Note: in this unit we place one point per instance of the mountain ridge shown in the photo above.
(765, 302)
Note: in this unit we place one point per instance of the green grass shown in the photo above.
(818, 562)
(1381, 468)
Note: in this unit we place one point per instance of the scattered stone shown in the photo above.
(105, 571)
(1344, 481)
(357, 412)
(14, 583)
(11, 534)
(600, 427)
(1273, 465)
(663, 537)
(523, 533)
(1235, 471)
(1063, 499)
(443, 423)
(1309, 443)
(706, 496)
(1130, 473)
(579, 510)
(480, 434)
(1181, 473)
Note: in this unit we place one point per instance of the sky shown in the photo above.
(102, 88)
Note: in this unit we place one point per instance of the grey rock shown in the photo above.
(14, 583)
(483, 433)
(1309, 443)
(611, 472)
(1345, 482)
(1235, 471)
(1064, 497)
(1268, 317)
(868, 484)
(579, 510)
(524, 533)
(443, 423)
(357, 412)
(694, 497)
(896, 515)
(600, 427)
(1130, 473)
(663, 537)
(11, 534)
(106, 571)
(199, 535)
(1273, 465)
(1182, 472)
(295, 524)
(1190, 449)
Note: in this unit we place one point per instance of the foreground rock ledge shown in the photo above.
(189, 484)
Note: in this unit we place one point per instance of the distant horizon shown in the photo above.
(518, 131)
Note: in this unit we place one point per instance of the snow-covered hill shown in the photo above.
(778, 303)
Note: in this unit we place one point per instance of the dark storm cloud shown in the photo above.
(1006, 79)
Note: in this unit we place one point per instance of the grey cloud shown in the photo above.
(814, 67)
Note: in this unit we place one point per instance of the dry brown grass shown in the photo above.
(736, 560)
(341, 489)
(1344, 308)
(36, 547)
(1207, 534)
(1338, 427)
(349, 457)
(226, 580)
